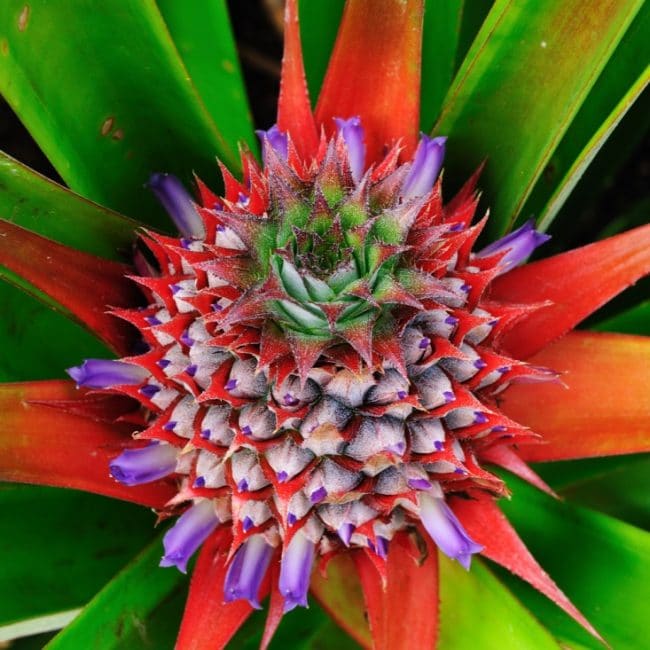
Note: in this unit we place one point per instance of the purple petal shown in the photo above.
(179, 204)
(345, 532)
(247, 570)
(446, 531)
(295, 571)
(353, 136)
(136, 466)
(425, 167)
(105, 373)
(188, 533)
(275, 139)
(517, 246)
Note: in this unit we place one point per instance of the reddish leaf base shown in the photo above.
(209, 623)
(83, 285)
(67, 443)
(403, 612)
(374, 73)
(576, 283)
(602, 411)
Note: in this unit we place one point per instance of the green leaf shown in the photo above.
(623, 492)
(521, 84)
(104, 92)
(442, 24)
(60, 546)
(585, 157)
(37, 342)
(477, 611)
(120, 615)
(38, 204)
(302, 629)
(202, 34)
(319, 23)
(599, 562)
(632, 321)
(619, 85)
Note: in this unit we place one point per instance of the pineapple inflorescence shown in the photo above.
(323, 359)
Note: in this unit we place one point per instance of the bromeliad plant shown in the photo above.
(318, 376)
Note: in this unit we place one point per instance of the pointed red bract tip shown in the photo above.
(374, 73)
(295, 116)
(488, 526)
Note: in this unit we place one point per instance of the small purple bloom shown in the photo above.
(149, 390)
(421, 483)
(353, 136)
(318, 495)
(517, 246)
(295, 571)
(381, 547)
(247, 570)
(425, 167)
(188, 533)
(424, 343)
(179, 204)
(282, 476)
(104, 373)
(275, 139)
(231, 384)
(136, 466)
(446, 531)
(345, 532)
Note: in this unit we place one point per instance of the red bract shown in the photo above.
(329, 362)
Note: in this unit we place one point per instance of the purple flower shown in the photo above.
(188, 533)
(295, 571)
(247, 570)
(104, 373)
(179, 205)
(446, 531)
(275, 139)
(136, 466)
(517, 246)
(425, 167)
(352, 133)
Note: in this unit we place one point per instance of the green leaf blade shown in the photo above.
(103, 91)
(514, 108)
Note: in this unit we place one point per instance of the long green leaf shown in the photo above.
(632, 321)
(585, 157)
(36, 203)
(523, 80)
(202, 34)
(442, 26)
(104, 92)
(619, 85)
(600, 563)
(477, 611)
(37, 342)
(59, 547)
(119, 615)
